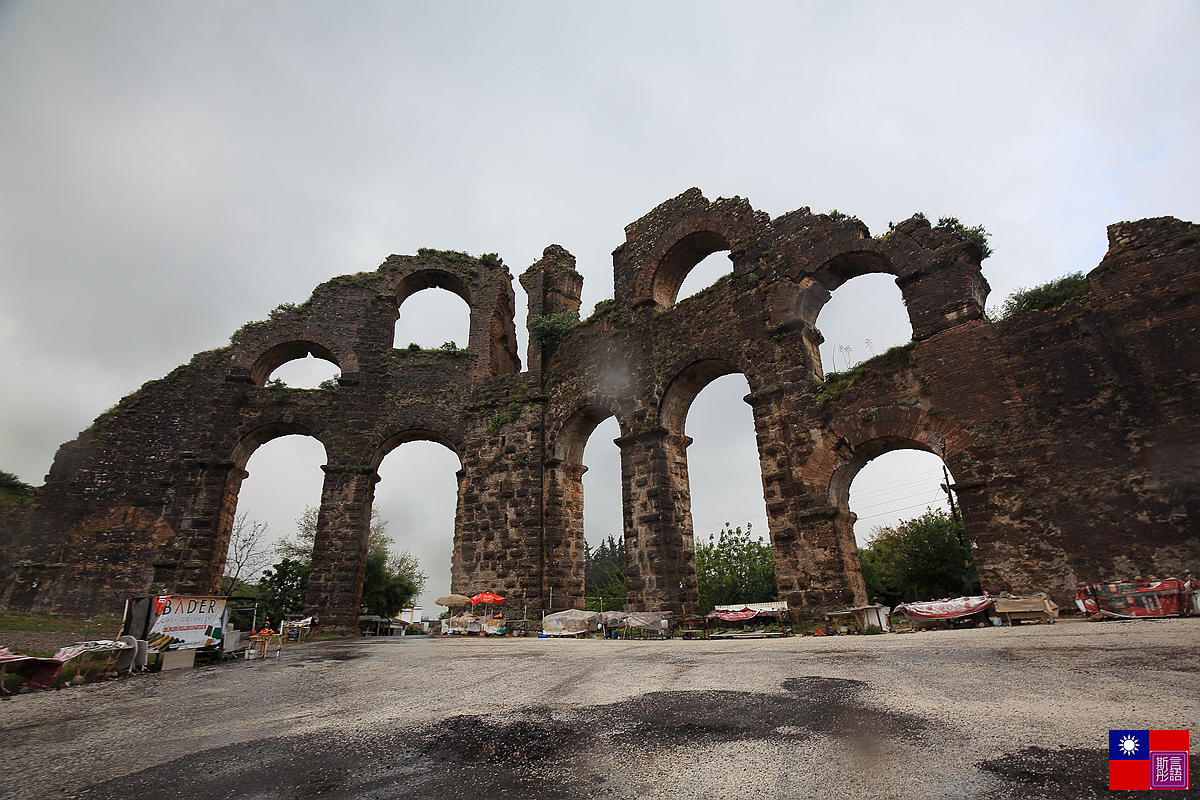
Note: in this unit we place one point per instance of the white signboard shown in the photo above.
(185, 622)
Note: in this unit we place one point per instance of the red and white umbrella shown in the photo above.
(487, 598)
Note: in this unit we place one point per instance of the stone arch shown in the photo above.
(852, 441)
(312, 342)
(679, 261)
(563, 541)
(683, 389)
(205, 535)
(431, 279)
(808, 296)
(575, 431)
(488, 294)
(261, 431)
(414, 435)
(663, 246)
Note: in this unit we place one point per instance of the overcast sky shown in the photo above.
(169, 171)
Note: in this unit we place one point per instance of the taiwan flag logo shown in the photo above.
(1147, 759)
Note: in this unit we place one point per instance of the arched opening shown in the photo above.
(911, 543)
(417, 496)
(681, 260)
(284, 480)
(308, 373)
(704, 274)
(298, 363)
(865, 316)
(725, 486)
(603, 523)
(433, 309)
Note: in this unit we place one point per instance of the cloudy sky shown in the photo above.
(169, 171)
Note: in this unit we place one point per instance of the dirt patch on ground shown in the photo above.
(540, 754)
(45, 641)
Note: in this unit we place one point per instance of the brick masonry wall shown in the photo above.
(1072, 433)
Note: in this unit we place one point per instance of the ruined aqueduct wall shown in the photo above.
(1073, 433)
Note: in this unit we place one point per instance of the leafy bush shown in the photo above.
(737, 568)
(1048, 295)
(975, 235)
(925, 558)
(551, 330)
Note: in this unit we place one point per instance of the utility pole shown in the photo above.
(953, 509)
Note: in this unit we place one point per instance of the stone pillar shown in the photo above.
(660, 557)
(810, 562)
(843, 529)
(553, 287)
(340, 549)
(563, 541)
(942, 295)
(203, 524)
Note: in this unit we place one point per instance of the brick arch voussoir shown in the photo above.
(689, 374)
(285, 346)
(266, 427)
(417, 433)
(809, 294)
(723, 225)
(418, 277)
(852, 440)
(569, 433)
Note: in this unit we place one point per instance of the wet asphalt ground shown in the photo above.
(995, 714)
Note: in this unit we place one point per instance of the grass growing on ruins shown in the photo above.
(1048, 295)
(888, 362)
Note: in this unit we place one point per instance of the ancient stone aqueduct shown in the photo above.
(1073, 433)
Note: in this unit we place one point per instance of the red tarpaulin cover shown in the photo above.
(1169, 598)
(734, 616)
(947, 609)
(41, 672)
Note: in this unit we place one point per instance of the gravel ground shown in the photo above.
(992, 714)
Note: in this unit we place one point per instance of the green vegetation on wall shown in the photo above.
(551, 330)
(1039, 298)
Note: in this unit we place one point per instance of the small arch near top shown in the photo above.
(679, 261)
(285, 352)
(431, 279)
(814, 291)
(663, 246)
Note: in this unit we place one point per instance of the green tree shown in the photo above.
(399, 563)
(384, 592)
(737, 568)
(925, 558)
(282, 589)
(604, 575)
(391, 580)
